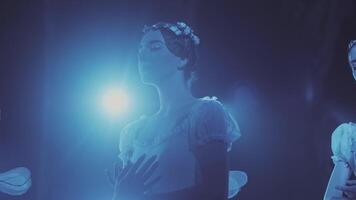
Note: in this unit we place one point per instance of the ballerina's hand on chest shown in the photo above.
(153, 135)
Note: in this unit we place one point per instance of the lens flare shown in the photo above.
(115, 102)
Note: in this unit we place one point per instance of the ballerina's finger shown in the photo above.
(351, 182)
(146, 165)
(136, 165)
(351, 189)
(125, 171)
(350, 195)
(118, 169)
(150, 171)
(110, 177)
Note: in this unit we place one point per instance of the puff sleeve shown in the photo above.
(213, 123)
(341, 142)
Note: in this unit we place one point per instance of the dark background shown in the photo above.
(280, 66)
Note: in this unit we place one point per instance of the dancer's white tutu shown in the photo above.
(237, 179)
(15, 181)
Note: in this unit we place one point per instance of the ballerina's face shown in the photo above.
(352, 60)
(155, 62)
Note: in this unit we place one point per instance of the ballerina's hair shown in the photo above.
(182, 42)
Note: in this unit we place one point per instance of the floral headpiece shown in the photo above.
(182, 29)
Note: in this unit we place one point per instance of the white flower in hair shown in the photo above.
(173, 28)
(187, 30)
(181, 24)
(182, 28)
(176, 30)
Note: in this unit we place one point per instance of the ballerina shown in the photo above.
(180, 152)
(343, 144)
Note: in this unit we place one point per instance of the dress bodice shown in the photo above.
(205, 120)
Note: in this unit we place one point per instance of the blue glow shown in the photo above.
(115, 102)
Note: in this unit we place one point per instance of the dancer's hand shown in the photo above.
(349, 190)
(131, 182)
